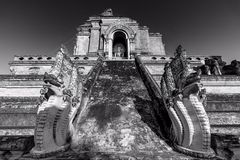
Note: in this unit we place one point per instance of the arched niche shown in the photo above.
(119, 36)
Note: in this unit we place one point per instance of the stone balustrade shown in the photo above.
(38, 65)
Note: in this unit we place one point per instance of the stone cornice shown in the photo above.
(31, 63)
(226, 78)
(84, 34)
(95, 28)
(21, 77)
(143, 28)
(94, 19)
(155, 35)
(120, 26)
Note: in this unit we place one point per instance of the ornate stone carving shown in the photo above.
(184, 99)
(211, 67)
(232, 69)
(107, 12)
(205, 70)
(60, 98)
(120, 26)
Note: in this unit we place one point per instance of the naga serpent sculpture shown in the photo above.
(60, 99)
(184, 98)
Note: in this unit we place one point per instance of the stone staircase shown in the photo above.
(119, 117)
(120, 113)
(119, 82)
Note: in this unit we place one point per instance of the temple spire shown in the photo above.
(107, 12)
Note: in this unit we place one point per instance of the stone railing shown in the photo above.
(38, 65)
(61, 99)
(164, 58)
(181, 95)
(31, 58)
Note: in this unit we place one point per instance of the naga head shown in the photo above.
(180, 52)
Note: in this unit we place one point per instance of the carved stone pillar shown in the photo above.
(101, 44)
(131, 47)
(82, 44)
(110, 46)
(94, 38)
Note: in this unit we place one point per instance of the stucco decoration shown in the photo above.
(60, 99)
(211, 67)
(119, 26)
(184, 99)
(107, 12)
(232, 69)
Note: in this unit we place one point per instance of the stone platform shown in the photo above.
(118, 121)
(118, 117)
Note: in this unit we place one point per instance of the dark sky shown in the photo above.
(38, 27)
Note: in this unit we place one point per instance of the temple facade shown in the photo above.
(118, 93)
(116, 37)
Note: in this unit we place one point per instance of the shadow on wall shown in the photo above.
(104, 113)
(149, 115)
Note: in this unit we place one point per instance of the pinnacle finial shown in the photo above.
(180, 51)
(107, 12)
(63, 49)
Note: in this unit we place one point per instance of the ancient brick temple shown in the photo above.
(117, 37)
(119, 96)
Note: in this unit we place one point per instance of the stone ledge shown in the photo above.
(18, 99)
(87, 155)
(166, 57)
(17, 131)
(30, 63)
(17, 127)
(226, 129)
(9, 110)
(22, 84)
(228, 140)
(21, 77)
(16, 143)
(224, 118)
(48, 59)
(224, 107)
(155, 35)
(226, 145)
(25, 120)
(220, 78)
(223, 97)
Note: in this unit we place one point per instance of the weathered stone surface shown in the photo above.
(36, 66)
(226, 106)
(224, 118)
(17, 119)
(154, 45)
(184, 101)
(232, 69)
(13, 147)
(16, 143)
(118, 116)
(71, 155)
(97, 35)
(82, 44)
(17, 115)
(223, 111)
(227, 146)
(218, 97)
(224, 85)
(225, 129)
(18, 130)
(20, 91)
